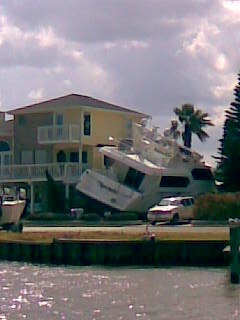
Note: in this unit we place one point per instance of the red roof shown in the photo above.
(73, 100)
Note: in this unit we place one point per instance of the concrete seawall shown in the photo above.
(117, 253)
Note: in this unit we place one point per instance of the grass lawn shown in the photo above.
(194, 234)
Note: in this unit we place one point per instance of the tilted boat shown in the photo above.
(141, 171)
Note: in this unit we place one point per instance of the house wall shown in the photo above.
(25, 134)
(6, 132)
(73, 116)
(103, 125)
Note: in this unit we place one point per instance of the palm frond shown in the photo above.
(194, 119)
(202, 135)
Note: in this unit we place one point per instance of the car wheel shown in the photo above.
(175, 218)
(153, 223)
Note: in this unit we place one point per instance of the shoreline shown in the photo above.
(185, 246)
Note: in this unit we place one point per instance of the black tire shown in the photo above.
(175, 218)
(153, 223)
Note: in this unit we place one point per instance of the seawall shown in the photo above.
(117, 252)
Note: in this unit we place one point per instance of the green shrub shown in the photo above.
(90, 217)
(217, 206)
(122, 216)
(49, 216)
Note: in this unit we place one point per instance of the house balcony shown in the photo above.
(66, 172)
(59, 134)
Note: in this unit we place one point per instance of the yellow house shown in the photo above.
(61, 136)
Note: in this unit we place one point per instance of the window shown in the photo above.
(134, 178)
(84, 157)
(58, 119)
(61, 156)
(40, 156)
(186, 202)
(4, 146)
(108, 162)
(21, 120)
(27, 157)
(129, 124)
(74, 156)
(202, 174)
(87, 124)
(174, 182)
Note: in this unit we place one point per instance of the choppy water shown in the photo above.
(44, 292)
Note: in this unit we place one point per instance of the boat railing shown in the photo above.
(125, 145)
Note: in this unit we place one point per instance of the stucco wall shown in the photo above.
(25, 134)
(105, 124)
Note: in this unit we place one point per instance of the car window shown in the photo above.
(190, 201)
(175, 203)
(164, 202)
(168, 202)
(187, 202)
(184, 202)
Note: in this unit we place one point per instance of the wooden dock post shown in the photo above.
(234, 253)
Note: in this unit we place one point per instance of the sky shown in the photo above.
(147, 55)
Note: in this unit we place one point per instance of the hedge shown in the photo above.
(220, 206)
(122, 216)
(90, 217)
(49, 216)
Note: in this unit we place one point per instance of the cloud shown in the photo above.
(48, 59)
(149, 55)
(135, 44)
(36, 94)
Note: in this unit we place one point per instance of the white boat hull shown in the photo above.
(11, 211)
(140, 174)
(107, 191)
(122, 198)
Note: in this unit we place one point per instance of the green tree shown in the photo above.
(228, 170)
(194, 121)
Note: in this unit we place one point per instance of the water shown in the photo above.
(46, 292)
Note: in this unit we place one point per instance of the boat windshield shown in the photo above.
(169, 202)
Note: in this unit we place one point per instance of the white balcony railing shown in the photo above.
(37, 172)
(55, 134)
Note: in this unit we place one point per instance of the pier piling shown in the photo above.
(234, 249)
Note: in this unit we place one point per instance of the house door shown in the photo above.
(61, 156)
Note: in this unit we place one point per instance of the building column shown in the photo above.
(67, 196)
(31, 198)
(80, 144)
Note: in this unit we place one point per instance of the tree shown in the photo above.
(194, 121)
(228, 170)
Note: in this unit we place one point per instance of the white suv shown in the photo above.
(172, 209)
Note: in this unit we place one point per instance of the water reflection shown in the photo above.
(43, 292)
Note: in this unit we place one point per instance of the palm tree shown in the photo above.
(194, 121)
